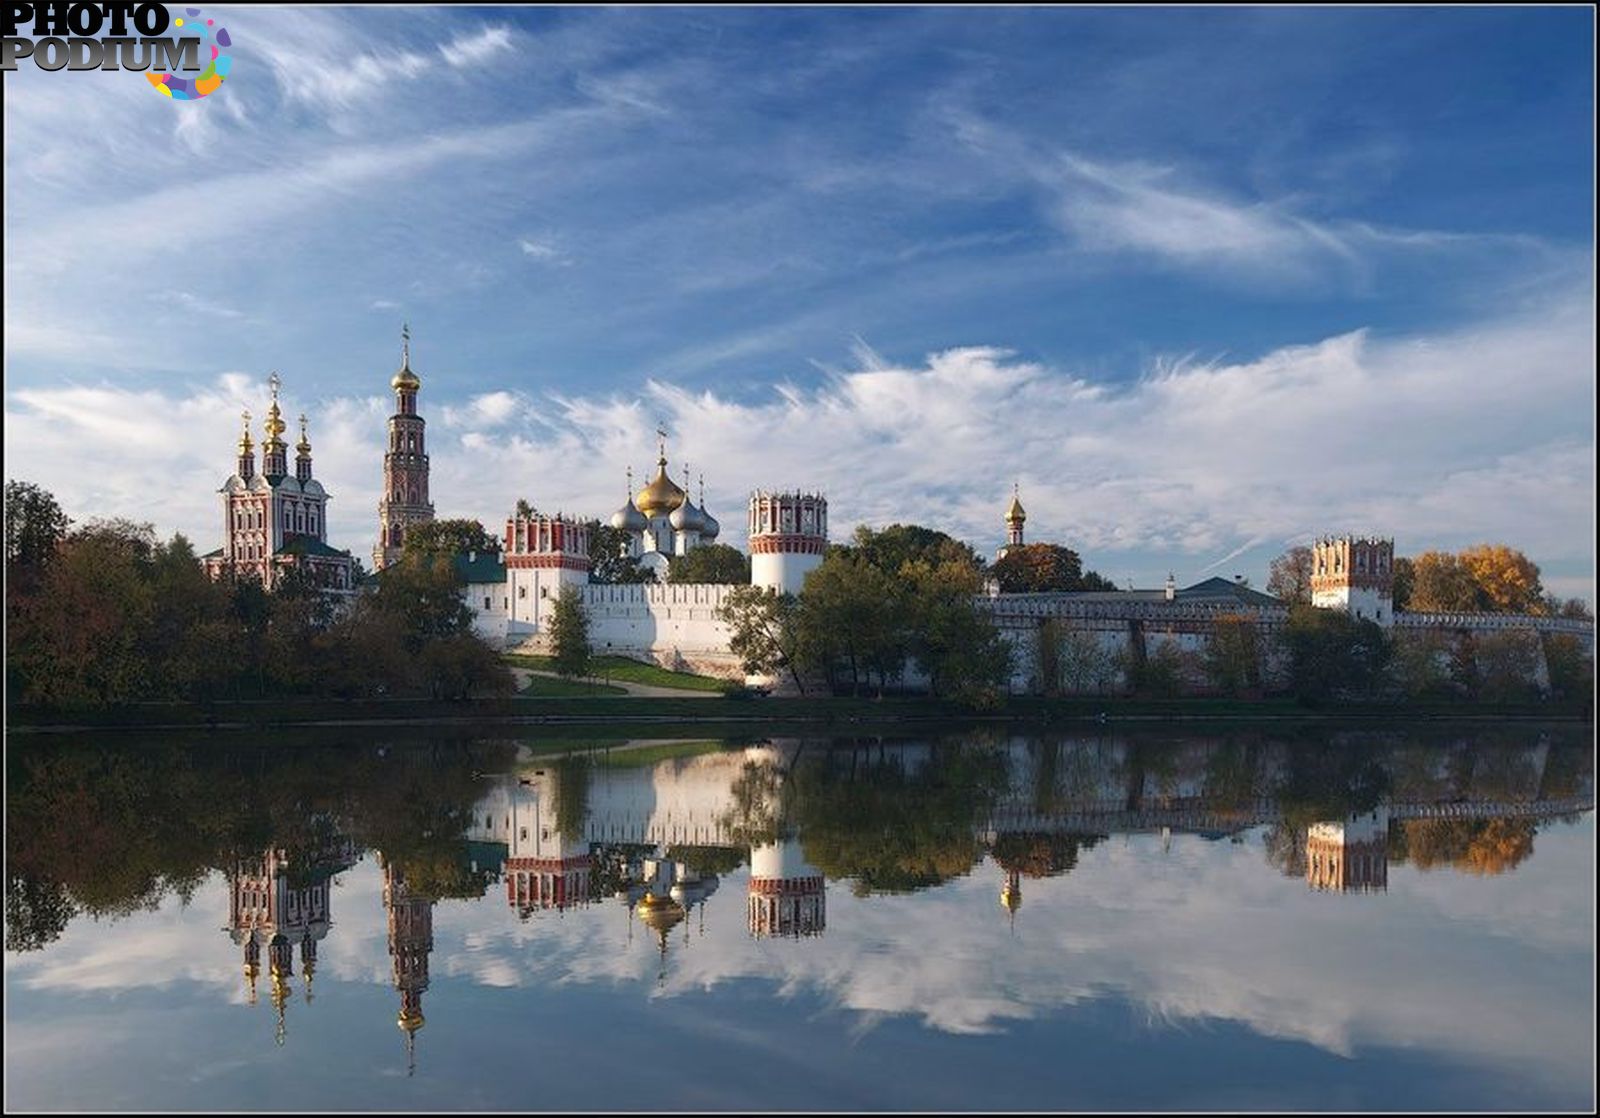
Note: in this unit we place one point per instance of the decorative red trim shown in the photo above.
(787, 543)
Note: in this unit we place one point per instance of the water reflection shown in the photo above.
(647, 836)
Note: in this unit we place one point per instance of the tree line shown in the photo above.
(1488, 578)
(105, 613)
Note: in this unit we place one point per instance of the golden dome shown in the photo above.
(410, 1022)
(660, 914)
(1014, 513)
(304, 445)
(405, 378)
(661, 496)
(275, 425)
(1010, 899)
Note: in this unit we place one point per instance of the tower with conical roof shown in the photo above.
(1015, 518)
(405, 502)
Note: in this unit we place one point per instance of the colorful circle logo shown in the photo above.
(210, 80)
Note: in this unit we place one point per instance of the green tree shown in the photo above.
(609, 561)
(35, 526)
(761, 631)
(960, 650)
(1038, 568)
(1333, 654)
(714, 564)
(1508, 663)
(1086, 664)
(450, 538)
(424, 593)
(569, 634)
(1571, 669)
(892, 548)
(1289, 576)
(1232, 657)
(1405, 578)
(849, 620)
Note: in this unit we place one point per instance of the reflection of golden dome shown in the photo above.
(660, 914)
(660, 496)
(1010, 898)
(410, 1022)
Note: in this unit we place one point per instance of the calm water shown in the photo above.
(970, 921)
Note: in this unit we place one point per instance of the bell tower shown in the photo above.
(405, 500)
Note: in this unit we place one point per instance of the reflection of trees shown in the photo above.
(756, 815)
(708, 861)
(1480, 846)
(37, 911)
(110, 829)
(1041, 855)
(573, 773)
(891, 829)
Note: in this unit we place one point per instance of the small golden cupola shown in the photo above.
(405, 379)
(1014, 511)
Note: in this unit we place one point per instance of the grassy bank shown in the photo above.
(624, 670)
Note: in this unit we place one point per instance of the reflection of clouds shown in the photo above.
(1475, 969)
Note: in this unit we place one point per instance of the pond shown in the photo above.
(1294, 919)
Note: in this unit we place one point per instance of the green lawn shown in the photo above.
(543, 687)
(650, 755)
(628, 671)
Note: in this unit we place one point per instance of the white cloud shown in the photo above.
(542, 250)
(1446, 440)
(470, 50)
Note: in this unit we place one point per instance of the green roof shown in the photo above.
(485, 566)
(305, 545)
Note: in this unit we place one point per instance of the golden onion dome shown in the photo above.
(661, 496)
(410, 1022)
(275, 425)
(660, 914)
(405, 380)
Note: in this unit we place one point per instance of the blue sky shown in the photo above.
(1207, 281)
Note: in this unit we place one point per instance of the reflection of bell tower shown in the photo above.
(667, 892)
(1350, 856)
(1011, 895)
(410, 944)
(787, 894)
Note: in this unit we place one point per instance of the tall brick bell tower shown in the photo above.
(405, 465)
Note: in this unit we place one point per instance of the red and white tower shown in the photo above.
(405, 500)
(1351, 856)
(1355, 574)
(788, 896)
(788, 536)
(542, 554)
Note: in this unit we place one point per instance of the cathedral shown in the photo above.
(275, 522)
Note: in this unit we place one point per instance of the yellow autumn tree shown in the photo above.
(1505, 576)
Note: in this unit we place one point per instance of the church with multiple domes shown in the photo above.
(275, 527)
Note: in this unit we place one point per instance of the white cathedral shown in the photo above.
(512, 592)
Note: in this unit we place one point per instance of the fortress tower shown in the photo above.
(405, 465)
(542, 554)
(788, 535)
(787, 894)
(1350, 856)
(1355, 574)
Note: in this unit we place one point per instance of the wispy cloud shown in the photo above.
(542, 250)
